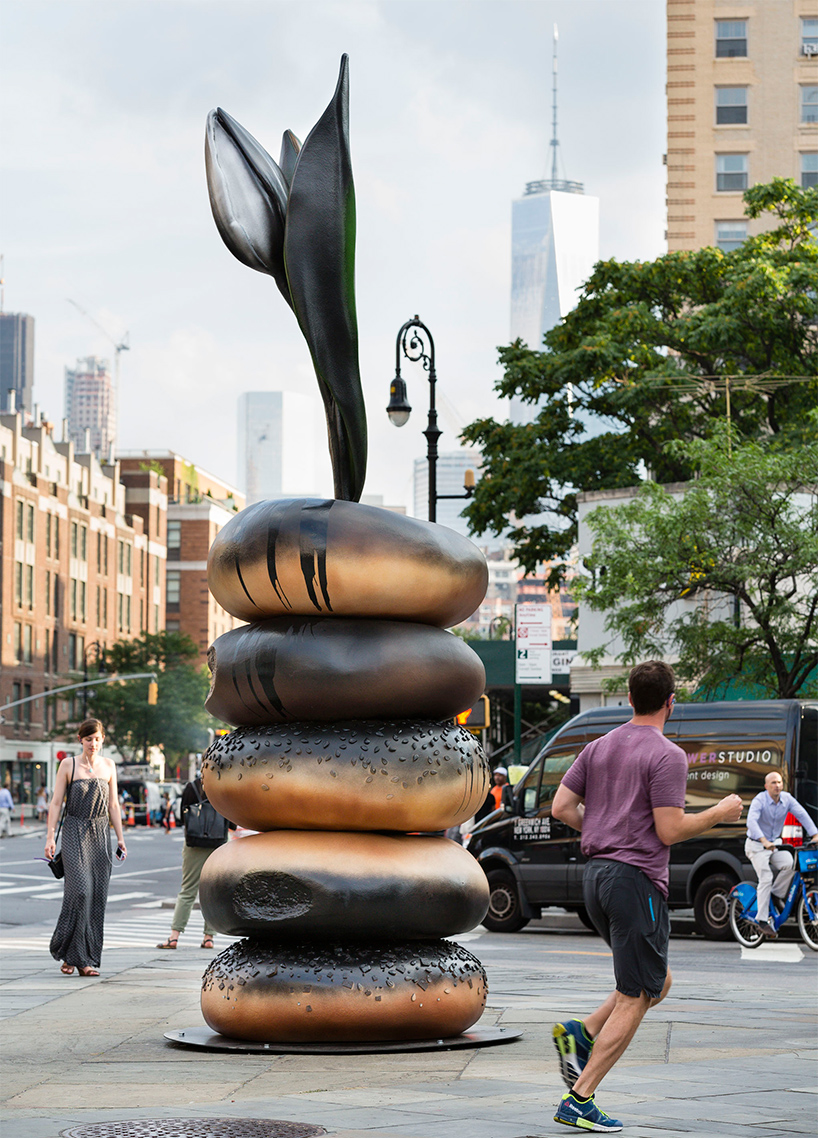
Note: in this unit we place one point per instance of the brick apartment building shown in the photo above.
(83, 565)
(199, 505)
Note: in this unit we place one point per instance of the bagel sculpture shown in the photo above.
(343, 686)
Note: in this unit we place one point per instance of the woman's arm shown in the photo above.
(114, 812)
(60, 785)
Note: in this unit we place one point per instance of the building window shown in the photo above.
(731, 172)
(30, 524)
(731, 38)
(809, 104)
(173, 586)
(26, 706)
(99, 605)
(105, 555)
(27, 643)
(83, 543)
(156, 618)
(174, 542)
(171, 626)
(47, 653)
(30, 586)
(19, 519)
(128, 612)
(809, 36)
(18, 583)
(56, 595)
(120, 545)
(74, 542)
(105, 607)
(73, 596)
(83, 600)
(48, 592)
(55, 652)
(15, 695)
(72, 651)
(99, 551)
(156, 572)
(731, 105)
(18, 642)
(120, 605)
(809, 169)
(48, 523)
(56, 537)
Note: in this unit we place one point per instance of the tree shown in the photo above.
(646, 357)
(178, 721)
(741, 542)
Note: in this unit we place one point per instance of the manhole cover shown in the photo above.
(195, 1128)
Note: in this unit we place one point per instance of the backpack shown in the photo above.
(204, 827)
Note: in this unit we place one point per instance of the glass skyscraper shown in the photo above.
(276, 445)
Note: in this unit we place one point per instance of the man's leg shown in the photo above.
(616, 1033)
(783, 865)
(760, 861)
(193, 858)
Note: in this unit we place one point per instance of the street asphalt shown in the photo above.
(731, 1051)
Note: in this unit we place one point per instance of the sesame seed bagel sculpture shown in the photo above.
(343, 687)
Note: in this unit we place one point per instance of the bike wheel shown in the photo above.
(746, 932)
(806, 926)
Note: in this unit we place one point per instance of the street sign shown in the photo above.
(533, 643)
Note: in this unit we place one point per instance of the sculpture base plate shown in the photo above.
(209, 1040)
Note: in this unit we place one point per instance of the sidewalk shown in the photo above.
(734, 1044)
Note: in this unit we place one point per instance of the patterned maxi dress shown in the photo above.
(86, 853)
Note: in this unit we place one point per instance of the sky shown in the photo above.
(103, 197)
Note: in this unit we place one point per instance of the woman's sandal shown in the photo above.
(67, 969)
(88, 971)
(207, 942)
(171, 942)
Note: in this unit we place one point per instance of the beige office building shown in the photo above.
(742, 108)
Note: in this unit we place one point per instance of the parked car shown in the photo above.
(532, 860)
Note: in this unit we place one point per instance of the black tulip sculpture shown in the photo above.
(343, 685)
(296, 221)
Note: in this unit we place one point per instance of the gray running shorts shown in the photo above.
(631, 914)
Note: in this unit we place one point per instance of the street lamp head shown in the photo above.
(399, 408)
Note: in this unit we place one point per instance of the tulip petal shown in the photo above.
(290, 147)
(319, 254)
(248, 197)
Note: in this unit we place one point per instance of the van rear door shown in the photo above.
(545, 847)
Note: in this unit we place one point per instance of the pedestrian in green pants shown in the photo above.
(205, 830)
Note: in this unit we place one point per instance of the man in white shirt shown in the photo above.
(765, 821)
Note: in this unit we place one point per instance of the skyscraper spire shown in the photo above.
(554, 140)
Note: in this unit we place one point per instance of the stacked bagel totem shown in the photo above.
(342, 687)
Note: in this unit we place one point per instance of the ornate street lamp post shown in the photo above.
(410, 341)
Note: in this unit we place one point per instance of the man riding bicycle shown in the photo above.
(765, 821)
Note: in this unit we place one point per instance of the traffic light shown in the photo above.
(477, 717)
(153, 692)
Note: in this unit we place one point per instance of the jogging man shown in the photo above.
(765, 822)
(626, 793)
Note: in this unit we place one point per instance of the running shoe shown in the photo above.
(574, 1047)
(585, 1114)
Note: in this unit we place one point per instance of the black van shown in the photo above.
(533, 860)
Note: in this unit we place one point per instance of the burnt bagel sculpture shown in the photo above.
(409, 775)
(308, 557)
(310, 991)
(327, 668)
(287, 884)
(341, 682)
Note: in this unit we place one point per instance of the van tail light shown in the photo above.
(792, 834)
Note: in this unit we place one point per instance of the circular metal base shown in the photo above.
(195, 1128)
(205, 1038)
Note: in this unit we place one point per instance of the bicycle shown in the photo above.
(743, 903)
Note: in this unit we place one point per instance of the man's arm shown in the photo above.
(568, 807)
(673, 825)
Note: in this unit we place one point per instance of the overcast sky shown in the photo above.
(104, 197)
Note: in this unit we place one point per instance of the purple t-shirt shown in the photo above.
(623, 776)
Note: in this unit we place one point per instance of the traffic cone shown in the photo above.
(131, 820)
(22, 816)
(172, 821)
(148, 815)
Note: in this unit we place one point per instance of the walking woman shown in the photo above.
(88, 784)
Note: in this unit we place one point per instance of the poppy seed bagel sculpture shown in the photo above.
(344, 685)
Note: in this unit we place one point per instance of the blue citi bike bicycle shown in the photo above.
(802, 898)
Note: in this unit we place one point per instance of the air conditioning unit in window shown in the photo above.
(810, 48)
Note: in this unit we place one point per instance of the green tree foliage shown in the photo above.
(746, 531)
(178, 721)
(643, 359)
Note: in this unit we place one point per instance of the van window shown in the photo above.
(554, 767)
(538, 795)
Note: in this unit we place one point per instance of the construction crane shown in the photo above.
(122, 346)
